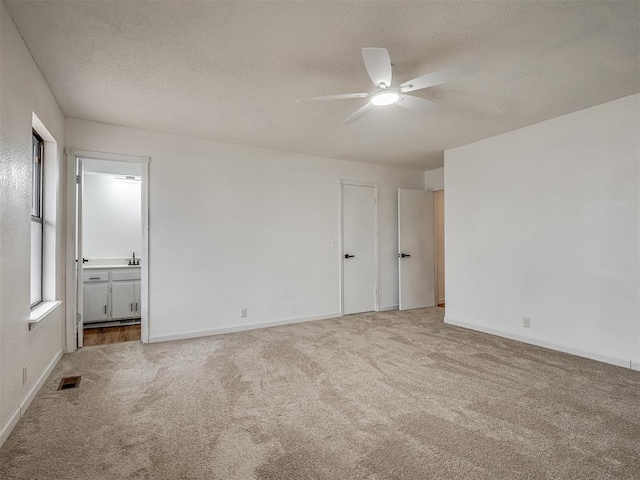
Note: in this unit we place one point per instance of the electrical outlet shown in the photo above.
(243, 314)
(24, 375)
(526, 322)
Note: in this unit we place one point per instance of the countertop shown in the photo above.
(108, 267)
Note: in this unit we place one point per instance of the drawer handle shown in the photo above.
(94, 278)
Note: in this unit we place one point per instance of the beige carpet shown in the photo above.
(396, 395)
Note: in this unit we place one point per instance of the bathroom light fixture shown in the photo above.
(385, 97)
(130, 178)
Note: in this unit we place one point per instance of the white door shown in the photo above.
(122, 300)
(79, 258)
(416, 249)
(358, 248)
(96, 300)
(137, 299)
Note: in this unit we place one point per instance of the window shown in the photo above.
(37, 223)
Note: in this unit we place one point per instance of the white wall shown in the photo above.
(543, 222)
(23, 92)
(434, 179)
(112, 225)
(235, 227)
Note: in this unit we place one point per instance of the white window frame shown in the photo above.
(37, 208)
(49, 212)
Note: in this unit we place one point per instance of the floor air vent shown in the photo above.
(69, 382)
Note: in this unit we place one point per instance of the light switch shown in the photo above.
(334, 244)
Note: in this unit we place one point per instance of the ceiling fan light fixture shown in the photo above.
(380, 69)
(385, 97)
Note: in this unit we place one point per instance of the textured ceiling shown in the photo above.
(232, 71)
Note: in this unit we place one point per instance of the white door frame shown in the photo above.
(435, 253)
(375, 241)
(71, 276)
(79, 242)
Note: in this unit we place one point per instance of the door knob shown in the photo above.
(403, 255)
(346, 255)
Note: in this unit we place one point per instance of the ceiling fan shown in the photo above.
(378, 65)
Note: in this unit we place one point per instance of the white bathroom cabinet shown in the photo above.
(111, 294)
(96, 302)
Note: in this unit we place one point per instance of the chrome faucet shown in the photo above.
(133, 261)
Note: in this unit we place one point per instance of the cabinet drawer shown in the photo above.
(133, 274)
(89, 277)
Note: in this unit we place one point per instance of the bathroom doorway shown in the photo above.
(110, 265)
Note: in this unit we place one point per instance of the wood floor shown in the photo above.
(101, 336)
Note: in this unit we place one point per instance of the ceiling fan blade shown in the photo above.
(416, 104)
(378, 65)
(358, 114)
(334, 97)
(441, 76)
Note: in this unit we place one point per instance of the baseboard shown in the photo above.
(26, 401)
(620, 362)
(635, 366)
(41, 379)
(9, 425)
(388, 308)
(240, 328)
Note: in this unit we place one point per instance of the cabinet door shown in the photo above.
(137, 297)
(122, 300)
(95, 301)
